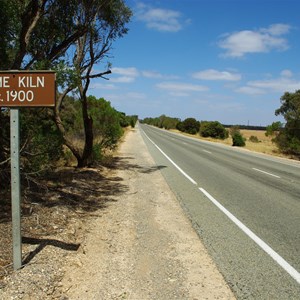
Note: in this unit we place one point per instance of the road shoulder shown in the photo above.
(143, 246)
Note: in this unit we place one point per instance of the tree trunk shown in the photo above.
(82, 157)
(75, 150)
(88, 130)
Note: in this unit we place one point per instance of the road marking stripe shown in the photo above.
(206, 151)
(283, 263)
(176, 166)
(258, 170)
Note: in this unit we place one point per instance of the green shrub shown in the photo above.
(189, 125)
(238, 140)
(68, 157)
(132, 122)
(41, 141)
(213, 129)
(254, 139)
(97, 154)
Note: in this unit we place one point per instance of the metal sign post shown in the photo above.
(15, 187)
(22, 89)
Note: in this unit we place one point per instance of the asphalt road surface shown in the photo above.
(245, 207)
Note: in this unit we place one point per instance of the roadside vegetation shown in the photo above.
(73, 38)
(277, 138)
(69, 39)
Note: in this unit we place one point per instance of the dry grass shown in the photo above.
(264, 145)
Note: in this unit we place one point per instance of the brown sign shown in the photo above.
(25, 89)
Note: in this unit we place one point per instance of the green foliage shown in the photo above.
(4, 34)
(133, 120)
(189, 125)
(125, 121)
(288, 138)
(254, 139)
(106, 121)
(273, 129)
(4, 149)
(162, 122)
(41, 142)
(213, 129)
(37, 35)
(238, 140)
(97, 154)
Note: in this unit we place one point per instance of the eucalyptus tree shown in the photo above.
(42, 34)
(105, 22)
(288, 138)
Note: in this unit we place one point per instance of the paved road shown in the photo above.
(244, 206)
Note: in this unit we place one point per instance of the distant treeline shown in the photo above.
(285, 135)
(248, 127)
(172, 123)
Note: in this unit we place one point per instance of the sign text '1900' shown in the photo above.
(20, 96)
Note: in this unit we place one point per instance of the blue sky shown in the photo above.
(224, 60)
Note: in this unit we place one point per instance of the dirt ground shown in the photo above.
(116, 234)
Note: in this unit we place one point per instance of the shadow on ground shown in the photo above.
(50, 204)
(124, 163)
(42, 243)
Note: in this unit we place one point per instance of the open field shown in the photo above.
(264, 145)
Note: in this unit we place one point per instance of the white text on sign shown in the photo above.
(27, 89)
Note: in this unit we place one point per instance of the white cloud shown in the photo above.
(286, 73)
(128, 75)
(157, 75)
(132, 72)
(277, 29)
(250, 90)
(103, 86)
(263, 40)
(123, 79)
(212, 74)
(151, 74)
(181, 87)
(160, 19)
(125, 97)
(274, 85)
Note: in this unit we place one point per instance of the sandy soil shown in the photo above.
(142, 246)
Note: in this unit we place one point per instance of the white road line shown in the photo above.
(258, 170)
(206, 151)
(278, 259)
(176, 166)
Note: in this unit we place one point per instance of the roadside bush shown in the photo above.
(189, 125)
(274, 129)
(234, 129)
(107, 129)
(238, 140)
(213, 129)
(41, 142)
(97, 153)
(288, 144)
(288, 137)
(254, 139)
